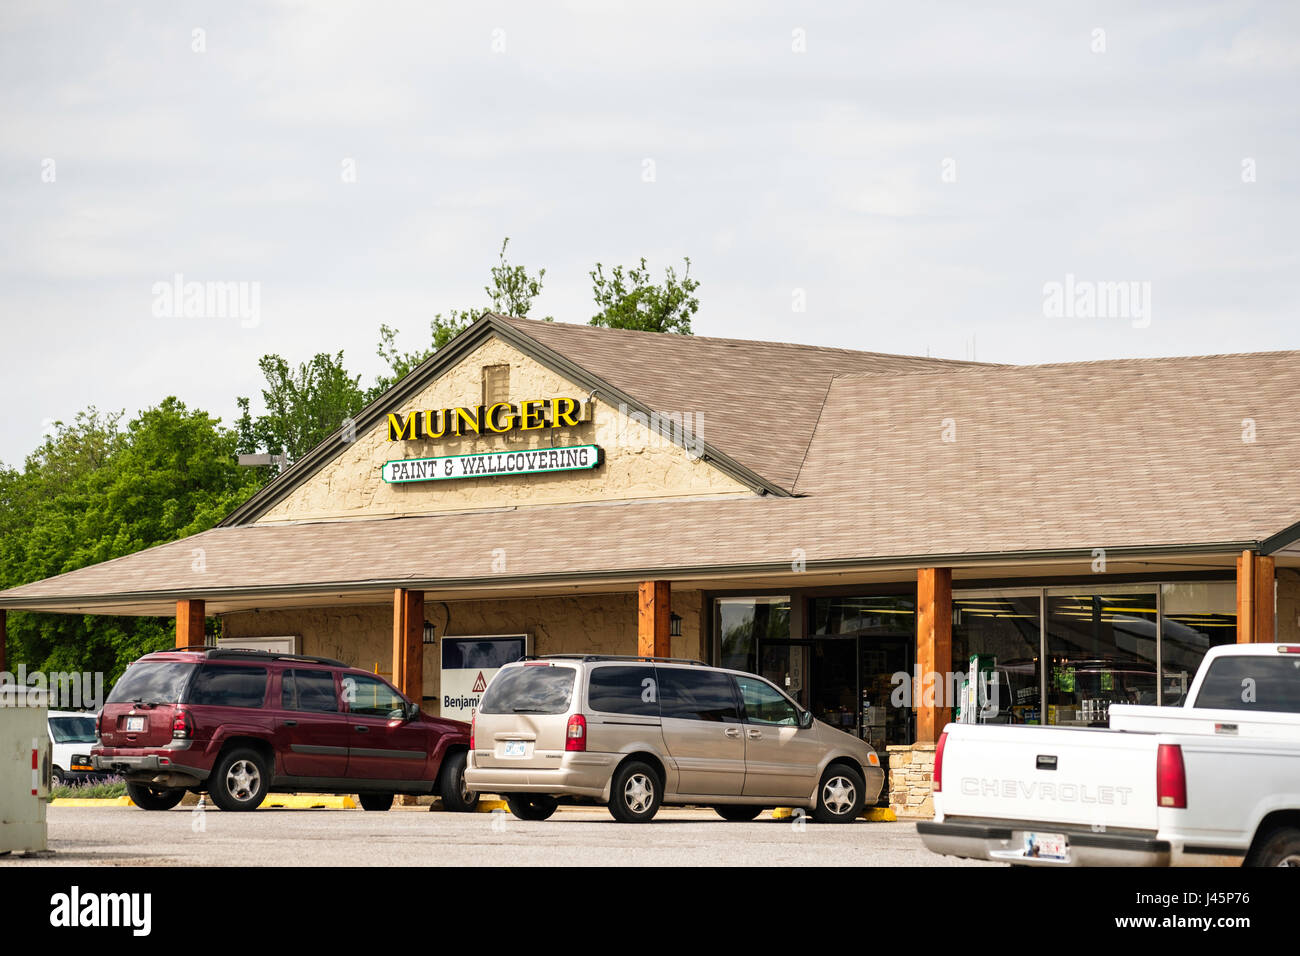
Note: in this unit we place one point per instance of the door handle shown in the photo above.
(755, 734)
(291, 723)
(732, 731)
(361, 728)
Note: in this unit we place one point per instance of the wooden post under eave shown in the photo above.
(933, 652)
(1265, 599)
(408, 643)
(189, 622)
(1245, 597)
(654, 605)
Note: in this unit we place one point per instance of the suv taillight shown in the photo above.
(99, 725)
(182, 727)
(575, 736)
(1171, 777)
(472, 722)
(937, 776)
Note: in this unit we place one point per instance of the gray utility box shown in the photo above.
(25, 767)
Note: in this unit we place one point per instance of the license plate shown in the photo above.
(134, 724)
(515, 748)
(1047, 846)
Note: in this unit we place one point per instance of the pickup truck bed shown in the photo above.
(1181, 786)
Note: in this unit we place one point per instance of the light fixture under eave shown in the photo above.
(430, 633)
(674, 624)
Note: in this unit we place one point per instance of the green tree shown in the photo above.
(628, 299)
(511, 291)
(93, 492)
(303, 406)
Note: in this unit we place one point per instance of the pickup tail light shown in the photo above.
(1171, 778)
(575, 736)
(938, 762)
(182, 726)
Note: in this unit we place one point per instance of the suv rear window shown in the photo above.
(228, 685)
(152, 682)
(1253, 682)
(624, 690)
(529, 689)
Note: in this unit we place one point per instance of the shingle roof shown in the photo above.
(759, 400)
(1144, 455)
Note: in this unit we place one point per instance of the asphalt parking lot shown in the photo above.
(117, 836)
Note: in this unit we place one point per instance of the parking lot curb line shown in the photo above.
(308, 801)
(871, 814)
(123, 801)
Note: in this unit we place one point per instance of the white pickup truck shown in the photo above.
(1215, 782)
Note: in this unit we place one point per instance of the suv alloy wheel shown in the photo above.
(635, 793)
(456, 794)
(240, 781)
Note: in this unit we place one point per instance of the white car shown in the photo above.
(72, 735)
(1215, 782)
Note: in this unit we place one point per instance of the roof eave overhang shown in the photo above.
(446, 357)
(628, 575)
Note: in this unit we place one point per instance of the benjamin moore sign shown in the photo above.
(492, 463)
(496, 419)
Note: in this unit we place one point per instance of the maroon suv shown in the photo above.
(236, 723)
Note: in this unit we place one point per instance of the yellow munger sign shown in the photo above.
(494, 419)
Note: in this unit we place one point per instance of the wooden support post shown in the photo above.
(654, 600)
(408, 643)
(1256, 602)
(189, 623)
(933, 652)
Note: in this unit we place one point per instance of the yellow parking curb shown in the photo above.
(309, 801)
(491, 806)
(122, 801)
(871, 814)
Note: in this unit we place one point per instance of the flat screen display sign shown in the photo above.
(468, 664)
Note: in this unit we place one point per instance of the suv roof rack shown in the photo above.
(251, 652)
(613, 657)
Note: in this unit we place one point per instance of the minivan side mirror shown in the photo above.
(805, 719)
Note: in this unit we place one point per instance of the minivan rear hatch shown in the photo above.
(523, 716)
(140, 710)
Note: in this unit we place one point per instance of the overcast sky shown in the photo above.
(912, 175)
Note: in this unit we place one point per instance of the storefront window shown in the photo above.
(1101, 651)
(1003, 631)
(743, 622)
(1197, 616)
(885, 631)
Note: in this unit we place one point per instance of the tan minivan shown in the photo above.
(638, 732)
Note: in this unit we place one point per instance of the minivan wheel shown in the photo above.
(840, 795)
(240, 781)
(379, 802)
(1280, 848)
(531, 806)
(153, 798)
(455, 794)
(634, 793)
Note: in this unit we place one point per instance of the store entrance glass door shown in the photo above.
(821, 676)
(785, 664)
